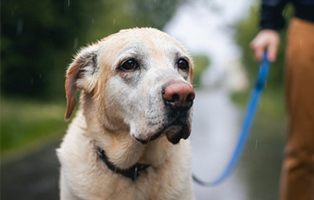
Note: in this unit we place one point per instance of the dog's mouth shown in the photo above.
(176, 128)
(176, 131)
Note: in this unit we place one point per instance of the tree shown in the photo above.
(39, 37)
(247, 29)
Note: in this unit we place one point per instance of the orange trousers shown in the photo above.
(297, 179)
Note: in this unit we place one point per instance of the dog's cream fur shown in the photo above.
(118, 107)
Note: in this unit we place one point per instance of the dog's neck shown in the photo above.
(124, 152)
(132, 172)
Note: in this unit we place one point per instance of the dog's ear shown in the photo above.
(81, 76)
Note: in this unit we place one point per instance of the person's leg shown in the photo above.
(297, 182)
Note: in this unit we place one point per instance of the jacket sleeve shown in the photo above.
(271, 14)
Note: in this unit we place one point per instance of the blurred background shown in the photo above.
(39, 39)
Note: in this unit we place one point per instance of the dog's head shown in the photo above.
(137, 80)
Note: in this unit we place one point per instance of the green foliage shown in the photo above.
(26, 121)
(201, 63)
(271, 104)
(37, 43)
(247, 29)
(39, 37)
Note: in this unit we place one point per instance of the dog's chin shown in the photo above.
(174, 133)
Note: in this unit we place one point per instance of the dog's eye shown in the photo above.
(183, 64)
(129, 65)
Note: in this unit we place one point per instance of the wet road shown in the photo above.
(215, 129)
(215, 132)
(34, 176)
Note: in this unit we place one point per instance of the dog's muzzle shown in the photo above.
(176, 123)
(178, 98)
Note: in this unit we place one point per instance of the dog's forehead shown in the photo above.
(141, 42)
(149, 37)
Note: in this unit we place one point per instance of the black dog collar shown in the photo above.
(132, 172)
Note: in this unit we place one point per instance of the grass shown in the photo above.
(270, 123)
(272, 102)
(25, 122)
(262, 158)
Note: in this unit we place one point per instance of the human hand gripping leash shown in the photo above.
(256, 92)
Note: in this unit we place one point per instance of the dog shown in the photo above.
(129, 138)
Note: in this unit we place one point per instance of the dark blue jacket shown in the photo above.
(272, 12)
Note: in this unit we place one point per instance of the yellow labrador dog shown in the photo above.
(135, 107)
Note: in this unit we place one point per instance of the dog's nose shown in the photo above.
(178, 95)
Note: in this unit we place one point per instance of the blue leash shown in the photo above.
(247, 123)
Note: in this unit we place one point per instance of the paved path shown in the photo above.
(32, 177)
(215, 129)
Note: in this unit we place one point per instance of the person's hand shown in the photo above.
(266, 40)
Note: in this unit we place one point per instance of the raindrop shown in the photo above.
(75, 43)
(19, 28)
(256, 144)
(283, 12)
(69, 3)
(114, 21)
(93, 21)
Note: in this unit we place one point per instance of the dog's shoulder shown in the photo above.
(74, 140)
